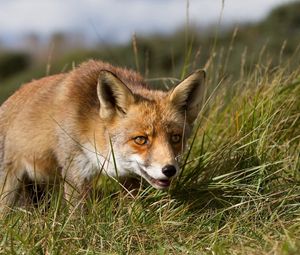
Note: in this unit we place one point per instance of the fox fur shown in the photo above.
(95, 119)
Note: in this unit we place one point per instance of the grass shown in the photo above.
(239, 192)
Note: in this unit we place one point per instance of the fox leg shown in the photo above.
(10, 185)
(76, 188)
(76, 194)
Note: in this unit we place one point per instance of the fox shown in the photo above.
(97, 119)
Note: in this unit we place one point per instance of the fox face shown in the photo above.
(147, 129)
(148, 140)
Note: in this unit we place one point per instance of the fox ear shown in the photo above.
(114, 95)
(188, 94)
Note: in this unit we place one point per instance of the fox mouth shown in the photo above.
(156, 183)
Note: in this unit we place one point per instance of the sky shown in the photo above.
(117, 20)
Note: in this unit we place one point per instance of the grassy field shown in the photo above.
(239, 192)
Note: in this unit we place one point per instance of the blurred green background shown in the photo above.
(270, 41)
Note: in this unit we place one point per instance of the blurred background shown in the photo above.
(160, 39)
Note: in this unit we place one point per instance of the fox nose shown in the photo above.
(169, 170)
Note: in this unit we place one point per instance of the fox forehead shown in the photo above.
(150, 117)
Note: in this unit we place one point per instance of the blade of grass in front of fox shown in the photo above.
(35, 181)
(183, 132)
(116, 169)
(114, 158)
(57, 201)
(99, 164)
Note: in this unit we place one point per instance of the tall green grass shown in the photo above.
(239, 191)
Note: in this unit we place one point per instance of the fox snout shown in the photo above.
(169, 170)
(160, 177)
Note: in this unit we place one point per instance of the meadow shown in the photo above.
(239, 191)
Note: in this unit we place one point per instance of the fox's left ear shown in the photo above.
(188, 95)
(114, 96)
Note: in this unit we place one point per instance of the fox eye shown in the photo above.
(175, 138)
(140, 140)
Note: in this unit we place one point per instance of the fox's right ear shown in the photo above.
(114, 96)
(188, 95)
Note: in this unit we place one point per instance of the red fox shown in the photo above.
(95, 119)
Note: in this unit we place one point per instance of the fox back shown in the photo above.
(96, 119)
